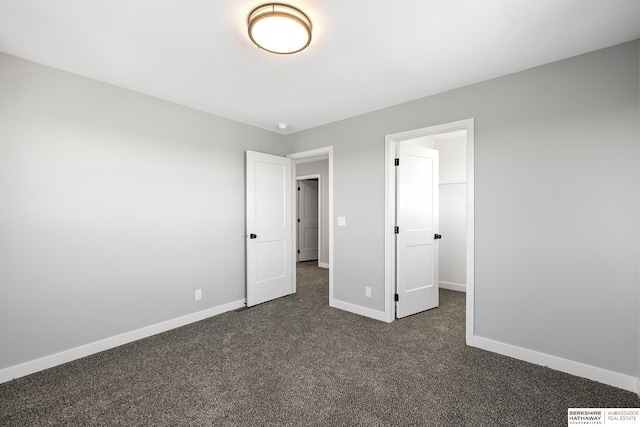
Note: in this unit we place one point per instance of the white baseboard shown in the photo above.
(362, 311)
(323, 265)
(17, 371)
(453, 286)
(626, 382)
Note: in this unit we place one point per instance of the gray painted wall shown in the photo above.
(320, 167)
(114, 208)
(557, 211)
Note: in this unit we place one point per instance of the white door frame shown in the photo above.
(390, 215)
(320, 216)
(311, 155)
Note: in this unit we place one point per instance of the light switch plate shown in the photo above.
(342, 221)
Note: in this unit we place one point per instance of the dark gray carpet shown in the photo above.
(295, 361)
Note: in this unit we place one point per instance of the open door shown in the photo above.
(269, 227)
(308, 219)
(417, 210)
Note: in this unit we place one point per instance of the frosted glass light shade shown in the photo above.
(278, 28)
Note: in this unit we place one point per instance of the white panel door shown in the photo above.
(307, 219)
(269, 227)
(417, 220)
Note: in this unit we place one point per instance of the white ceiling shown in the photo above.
(365, 55)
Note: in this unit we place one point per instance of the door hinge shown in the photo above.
(396, 297)
(298, 188)
(298, 250)
(396, 230)
(397, 162)
(437, 236)
(298, 219)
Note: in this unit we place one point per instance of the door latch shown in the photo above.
(252, 236)
(437, 236)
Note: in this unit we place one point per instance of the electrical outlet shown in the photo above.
(198, 294)
(367, 291)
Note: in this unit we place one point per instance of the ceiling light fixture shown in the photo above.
(282, 126)
(279, 28)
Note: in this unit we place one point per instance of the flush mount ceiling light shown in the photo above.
(279, 28)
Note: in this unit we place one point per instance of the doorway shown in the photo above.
(391, 144)
(301, 162)
(271, 230)
(309, 217)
